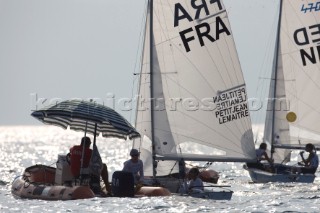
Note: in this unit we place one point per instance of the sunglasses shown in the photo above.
(135, 155)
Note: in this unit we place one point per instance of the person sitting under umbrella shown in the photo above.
(76, 157)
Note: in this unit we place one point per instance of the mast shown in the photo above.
(275, 78)
(151, 91)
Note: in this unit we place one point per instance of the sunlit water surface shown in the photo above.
(23, 146)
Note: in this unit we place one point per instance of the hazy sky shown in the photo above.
(89, 49)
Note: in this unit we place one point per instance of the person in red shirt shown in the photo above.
(76, 156)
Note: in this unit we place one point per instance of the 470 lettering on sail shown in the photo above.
(203, 30)
(310, 7)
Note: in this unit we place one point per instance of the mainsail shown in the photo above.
(192, 91)
(295, 80)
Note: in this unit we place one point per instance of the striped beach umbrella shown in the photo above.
(89, 117)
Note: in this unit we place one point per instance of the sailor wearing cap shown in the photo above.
(134, 165)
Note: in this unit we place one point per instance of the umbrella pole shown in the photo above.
(95, 165)
(85, 129)
(95, 133)
(82, 158)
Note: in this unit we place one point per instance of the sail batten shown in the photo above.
(213, 15)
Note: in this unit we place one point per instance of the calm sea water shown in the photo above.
(23, 146)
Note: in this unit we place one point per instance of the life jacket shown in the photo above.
(75, 159)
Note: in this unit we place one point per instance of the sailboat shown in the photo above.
(292, 119)
(192, 98)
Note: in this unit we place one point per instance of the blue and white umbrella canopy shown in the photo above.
(83, 115)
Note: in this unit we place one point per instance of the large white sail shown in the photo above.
(198, 89)
(296, 119)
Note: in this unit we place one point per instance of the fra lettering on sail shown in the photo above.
(203, 31)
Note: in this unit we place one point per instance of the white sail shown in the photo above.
(280, 127)
(297, 77)
(143, 116)
(198, 88)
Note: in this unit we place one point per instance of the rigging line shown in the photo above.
(132, 89)
(265, 85)
(141, 39)
(144, 79)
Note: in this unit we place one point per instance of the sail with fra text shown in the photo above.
(192, 96)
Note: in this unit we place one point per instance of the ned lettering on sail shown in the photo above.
(231, 105)
(308, 36)
(203, 31)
